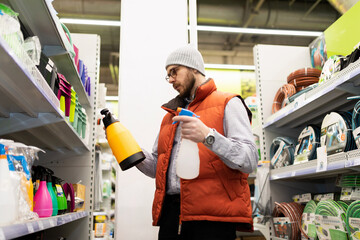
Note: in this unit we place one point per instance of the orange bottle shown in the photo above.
(123, 145)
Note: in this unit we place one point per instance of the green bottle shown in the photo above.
(49, 173)
(59, 192)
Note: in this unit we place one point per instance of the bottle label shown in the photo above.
(59, 190)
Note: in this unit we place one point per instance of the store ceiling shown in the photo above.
(224, 48)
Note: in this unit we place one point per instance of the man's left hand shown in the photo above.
(192, 128)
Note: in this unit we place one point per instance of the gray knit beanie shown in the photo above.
(186, 56)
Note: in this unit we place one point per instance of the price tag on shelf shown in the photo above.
(2, 235)
(41, 225)
(321, 159)
(299, 101)
(52, 222)
(30, 227)
(349, 162)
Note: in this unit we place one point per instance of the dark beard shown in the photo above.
(189, 87)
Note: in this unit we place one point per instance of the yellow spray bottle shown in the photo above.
(123, 145)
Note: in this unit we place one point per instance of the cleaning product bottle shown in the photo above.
(123, 145)
(60, 196)
(188, 160)
(8, 198)
(42, 199)
(54, 202)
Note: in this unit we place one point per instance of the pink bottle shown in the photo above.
(42, 200)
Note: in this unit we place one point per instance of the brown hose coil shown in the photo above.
(293, 211)
(296, 81)
(287, 90)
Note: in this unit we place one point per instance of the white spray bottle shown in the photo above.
(188, 160)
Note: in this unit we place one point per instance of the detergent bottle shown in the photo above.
(188, 160)
(123, 145)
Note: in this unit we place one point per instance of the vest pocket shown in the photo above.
(226, 179)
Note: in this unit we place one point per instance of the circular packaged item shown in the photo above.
(308, 142)
(353, 213)
(282, 152)
(355, 123)
(330, 210)
(336, 133)
(308, 228)
(331, 66)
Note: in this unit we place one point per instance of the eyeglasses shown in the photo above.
(172, 73)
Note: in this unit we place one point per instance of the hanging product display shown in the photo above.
(308, 141)
(318, 52)
(293, 212)
(353, 220)
(336, 133)
(330, 220)
(286, 91)
(353, 57)
(282, 152)
(308, 229)
(331, 67)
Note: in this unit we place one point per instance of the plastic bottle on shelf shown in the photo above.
(8, 201)
(49, 184)
(188, 160)
(60, 196)
(42, 199)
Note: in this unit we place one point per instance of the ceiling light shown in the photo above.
(230, 66)
(258, 31)
(205, 28)
(90, 22)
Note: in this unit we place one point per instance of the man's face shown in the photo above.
(182, 79)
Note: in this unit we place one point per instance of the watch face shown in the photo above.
(210, 140)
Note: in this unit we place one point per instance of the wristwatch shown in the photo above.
(210, 138)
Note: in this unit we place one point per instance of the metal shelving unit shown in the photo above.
(29, 113)
(310, 108)
(29, 227)
(314, 104)
(47, 27)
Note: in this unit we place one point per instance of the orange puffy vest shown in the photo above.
(219, 193)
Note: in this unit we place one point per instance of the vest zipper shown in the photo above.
(179, 228)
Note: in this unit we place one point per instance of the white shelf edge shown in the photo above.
(343, 162)
(28, 227)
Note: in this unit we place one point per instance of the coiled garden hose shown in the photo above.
(350, 181)
(293, 211)
(283, 93)
(336, 132)
(333, 209)
(308, 230)
(308, 142)
(286, 154)
(350, 142)
(353, 211)
(355, 119)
